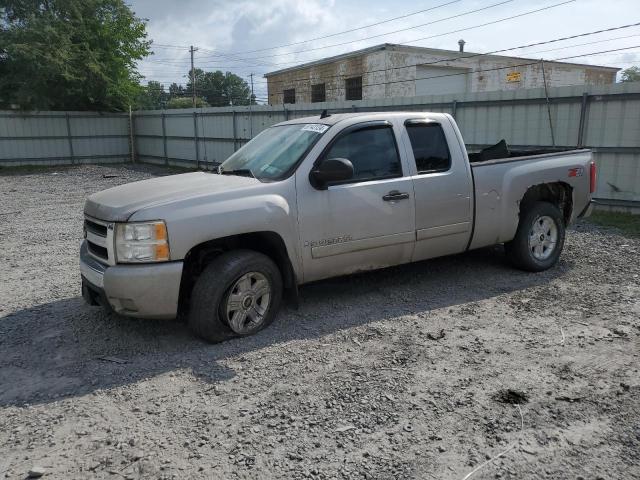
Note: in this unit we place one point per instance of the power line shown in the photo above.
(482, 70)
(488, 53)
(161, 45)
(570, 37)
(345, 31)
(452, 31)
(530, 12)
(378, 35)
(465, 73)
(473, 55)
(583, 44)
(389, 33)
(493, 69)
(186, 63)
(210, 62)
(606, 54)
(207, 62)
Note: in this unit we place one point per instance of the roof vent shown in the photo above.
(461, 42)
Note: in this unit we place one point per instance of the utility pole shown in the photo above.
(193, 76)
(250, 105)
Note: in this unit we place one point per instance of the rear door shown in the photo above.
(443, 188)
(367, 222)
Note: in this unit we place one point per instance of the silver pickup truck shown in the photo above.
(318, 197)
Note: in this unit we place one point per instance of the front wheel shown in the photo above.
(539, 239)
(238, 294)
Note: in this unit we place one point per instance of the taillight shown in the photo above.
(592, 177)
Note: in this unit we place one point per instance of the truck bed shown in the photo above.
(501, 178)
(501, 153)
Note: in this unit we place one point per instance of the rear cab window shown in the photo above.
(429, 145)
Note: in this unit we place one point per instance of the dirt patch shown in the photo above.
(512, 397)
(350, 386)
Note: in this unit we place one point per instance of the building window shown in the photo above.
(353, 88)
(289, 96)
(318, 93)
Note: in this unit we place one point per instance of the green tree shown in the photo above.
(153, 96)
(221, 89)
(176, 90)
(631, 74)
(186, 102)
(70, 54)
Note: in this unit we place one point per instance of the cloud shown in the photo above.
(228, 31)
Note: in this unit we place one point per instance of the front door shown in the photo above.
(365, 223)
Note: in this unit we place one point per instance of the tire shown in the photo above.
(539, 239)
(215, 315)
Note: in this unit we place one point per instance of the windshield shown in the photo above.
(275, 151)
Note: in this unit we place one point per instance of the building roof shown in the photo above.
(454, 54)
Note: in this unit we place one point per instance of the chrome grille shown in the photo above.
(99, 235)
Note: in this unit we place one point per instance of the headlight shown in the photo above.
(142, 242)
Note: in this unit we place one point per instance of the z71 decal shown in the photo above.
(576, 172)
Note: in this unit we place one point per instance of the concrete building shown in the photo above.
(390, 70)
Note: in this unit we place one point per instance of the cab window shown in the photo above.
(372, 151)
(430, 147)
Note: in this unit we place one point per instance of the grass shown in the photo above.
(628, 223)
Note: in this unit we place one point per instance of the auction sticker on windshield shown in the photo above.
(315, 127)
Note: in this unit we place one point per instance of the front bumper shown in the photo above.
(144, 291)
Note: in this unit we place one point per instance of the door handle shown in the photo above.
(395, 195)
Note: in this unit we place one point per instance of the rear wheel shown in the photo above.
(238, 294)
(539, 239)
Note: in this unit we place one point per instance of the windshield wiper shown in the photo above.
(243, 172)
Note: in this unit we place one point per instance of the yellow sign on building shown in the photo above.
(514, 77)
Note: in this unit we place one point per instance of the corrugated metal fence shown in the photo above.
(604, 118)
(53, 138)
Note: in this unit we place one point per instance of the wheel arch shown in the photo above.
(268, 243)
(557, 193)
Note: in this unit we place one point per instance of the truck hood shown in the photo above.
(119, 203)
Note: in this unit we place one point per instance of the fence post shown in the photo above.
(583, 119)
(195, 136)
(286, 113)
(546, 94)
(235, 136)
(69, 137)
(164, 138)
(454, 108)
(132, 138)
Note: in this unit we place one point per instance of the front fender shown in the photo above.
(192, 222)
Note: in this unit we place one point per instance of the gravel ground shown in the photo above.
(421, 371)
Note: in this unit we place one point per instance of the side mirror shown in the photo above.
(330, 170)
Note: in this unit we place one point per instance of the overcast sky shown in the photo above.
(228, 33)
